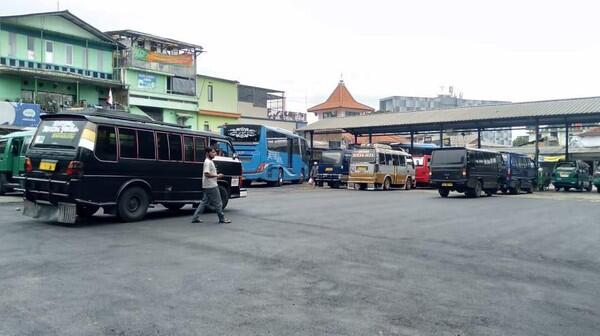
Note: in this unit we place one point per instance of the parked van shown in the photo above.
(376, 166)
(466, 170)
(12, 159)
(80, 162)
(519, 173)
(334, 166)
(572, 174)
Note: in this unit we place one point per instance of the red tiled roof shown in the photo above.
(377, 139)
(340, 98)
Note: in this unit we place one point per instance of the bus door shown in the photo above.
(15, 153)
(290, 150)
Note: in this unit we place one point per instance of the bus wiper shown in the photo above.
(53, 146)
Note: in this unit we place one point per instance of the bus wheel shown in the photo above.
(387, 184)
(279, 182)
(86, 210)
(224, 196)
(2, 184)
(444, 192)
(409, 184)
(173, 206)
(133, 204)
(476, 191)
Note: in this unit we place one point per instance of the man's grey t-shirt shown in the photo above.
(209, 182)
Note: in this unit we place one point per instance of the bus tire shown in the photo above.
(279, 181)
(444, 192)
(86, 210)
(387, 183)
(224, 196)
(409, 184)
(133, 204)
(2, 184)
(173, 206)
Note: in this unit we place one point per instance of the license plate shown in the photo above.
(564, 174)
(328, 169)
(48, 165)
(361, 168)
(235, 182)
(446, 184)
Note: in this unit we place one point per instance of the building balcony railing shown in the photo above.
(66, 69)
(181, 71)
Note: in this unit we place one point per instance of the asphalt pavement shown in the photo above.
(303, 261)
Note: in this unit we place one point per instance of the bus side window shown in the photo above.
(188, 149)
(146, 148)
(199, 146)
(162, 143)
(381, 158)
(106, 143)
(175, 147)
(402, 161)
(128, 143)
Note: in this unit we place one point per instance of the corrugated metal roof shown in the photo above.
(466, 115)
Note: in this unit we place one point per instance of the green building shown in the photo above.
(160, 75)
(218, 102)
(56, 60)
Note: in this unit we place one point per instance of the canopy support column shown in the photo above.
(355, 138)
(537, 144)
(312, 146)
(478, 137)
(412, 141)
(566, 140)
(370, 136)
(441, 136)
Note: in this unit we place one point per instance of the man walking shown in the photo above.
(212, 196)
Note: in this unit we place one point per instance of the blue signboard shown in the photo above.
(146, 81)
(19, 114)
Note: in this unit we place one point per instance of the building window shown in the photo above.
(49, 52)
(206, 126)
(352, 114)
(209, 92)
(12, 45)
(69, 54)
(30, 48)
(332, 114)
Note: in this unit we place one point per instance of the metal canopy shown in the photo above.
(550, 112)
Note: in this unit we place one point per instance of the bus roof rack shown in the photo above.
(119, 114)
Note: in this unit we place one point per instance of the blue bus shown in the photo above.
(269, 154)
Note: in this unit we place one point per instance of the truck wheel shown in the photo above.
(516, 190)
(444, 192)
(589, 187)
(133, 204)
(224, 196)
(86, 210)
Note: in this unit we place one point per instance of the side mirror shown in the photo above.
(236, 156)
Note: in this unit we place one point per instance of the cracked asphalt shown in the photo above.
(303, 261)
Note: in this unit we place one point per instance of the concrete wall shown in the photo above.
(10, 88)
(225, 95)
(249, 110)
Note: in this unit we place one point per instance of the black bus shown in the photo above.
(466, 170)
(80, 162)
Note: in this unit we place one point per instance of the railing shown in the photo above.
(67, 69)
(182, 71)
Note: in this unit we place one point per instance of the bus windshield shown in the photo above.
(59, 133)
(363, 155)
(331, 158)
(448, 157)
(243, 134)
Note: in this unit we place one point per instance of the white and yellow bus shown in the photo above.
(377, 166)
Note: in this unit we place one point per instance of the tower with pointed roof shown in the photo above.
(340, 104)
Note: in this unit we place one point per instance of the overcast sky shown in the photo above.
(503, 50)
